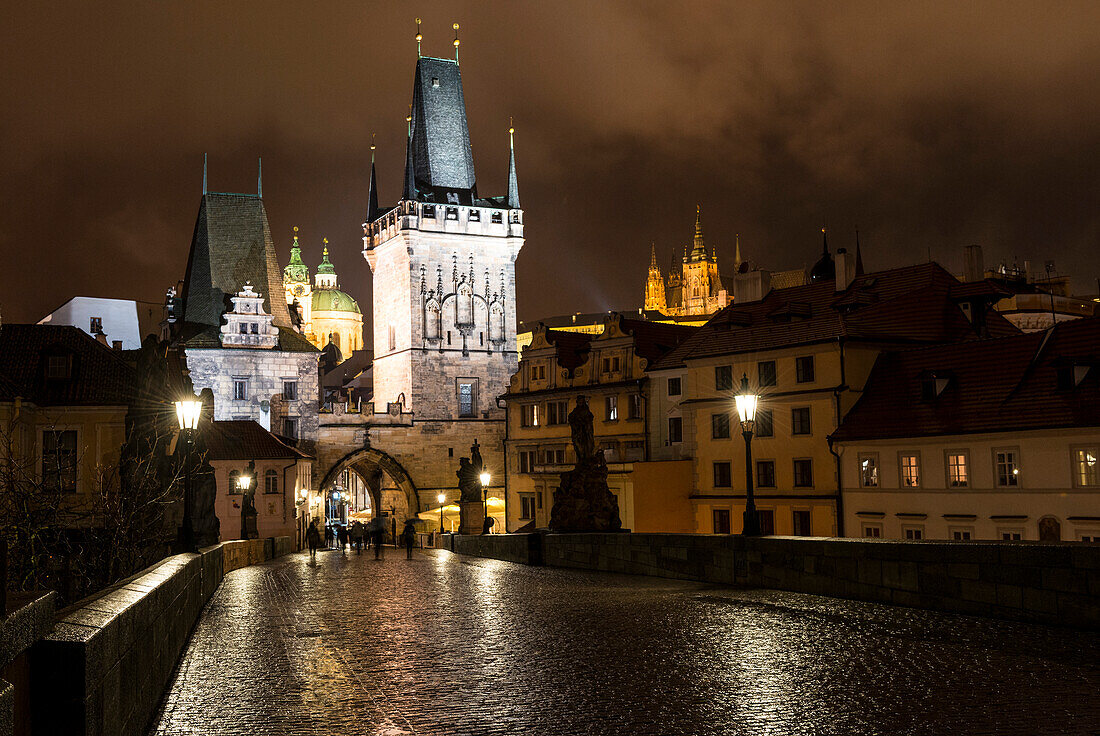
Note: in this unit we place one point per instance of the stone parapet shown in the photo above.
(1055, 583)
(104, 666)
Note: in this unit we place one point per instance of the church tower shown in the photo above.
(655, 284)
(443, 265)
(296, 283)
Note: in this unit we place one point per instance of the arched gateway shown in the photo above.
(367, 458)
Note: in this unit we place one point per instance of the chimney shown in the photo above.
(116, 344)
(845, 269)
(101, 338)
(751, 286)
(974, 268)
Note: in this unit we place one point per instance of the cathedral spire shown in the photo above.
(513, 182)
(859, 255)
(737, 253)
(652, 256)
(204, 174)
(410, 174)
(699, 248)
(260, 177)
(372, 189)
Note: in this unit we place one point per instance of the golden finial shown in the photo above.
(511, 127)
(295, 228)
(455, 26)
(419, 38)
(324, 240)
(372, 141)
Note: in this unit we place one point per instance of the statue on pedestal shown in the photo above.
(471, 505)
(583, 502)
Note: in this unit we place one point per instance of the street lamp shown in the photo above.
(188, 412)
(442, 498)
(746, 412)
(484, 478)
(244, 482)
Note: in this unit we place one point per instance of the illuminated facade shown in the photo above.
(694, 286)
(327, 314)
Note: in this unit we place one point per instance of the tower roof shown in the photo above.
(513, 182)
(699, 248)
(296, 271)
(333, 300)
(326, 265)
(231, 246)
(441, 158)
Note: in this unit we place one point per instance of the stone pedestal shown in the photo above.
(583, 502)
(471, 517)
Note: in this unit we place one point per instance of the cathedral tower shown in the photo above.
(443, 265)
(655, 284)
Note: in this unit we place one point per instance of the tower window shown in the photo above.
(452, 213)
(290, 390)
(435, 81)
(393, 338)
(475, 215)
(429, 211)
(497, 218)
(240, 389)
(97, 325)
(244, 328)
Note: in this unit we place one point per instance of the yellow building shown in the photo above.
(806, 351)
(609, 369)
(326, 315)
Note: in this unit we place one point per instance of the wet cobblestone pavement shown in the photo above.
(456, 645)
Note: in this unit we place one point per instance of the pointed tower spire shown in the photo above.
(419, 38)
(204, 174)
(372, 188)
(859, 255)
(513, 182)
(260, 178)
(409, 192)
(737, 253)
(824, 240)
(652, 256)
(296, 272)
(699, 248)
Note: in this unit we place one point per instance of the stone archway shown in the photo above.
(385, 463)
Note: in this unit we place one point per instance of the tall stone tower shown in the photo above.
(443, 265)
(655, 284)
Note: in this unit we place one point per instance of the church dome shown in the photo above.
(334, 300)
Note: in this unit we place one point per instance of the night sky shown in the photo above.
(928, 127)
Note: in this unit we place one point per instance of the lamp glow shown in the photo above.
(442, 497)
(484, 479)
(746, 405)
(244, 481)
(188, 412)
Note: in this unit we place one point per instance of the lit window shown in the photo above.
(958, 472)
(611, 405)
(234, 486)
(1088, 469)
(868, 471)
(910, 471)
(529, 415)
(1007, 467)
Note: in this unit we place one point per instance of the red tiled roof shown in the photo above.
(244, 439)
(910, 304)
(998, 385)
(99, 375)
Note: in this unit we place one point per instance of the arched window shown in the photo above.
(233, 476)
(271, 482)
(496, 323)
(465, 314)
(431, 320)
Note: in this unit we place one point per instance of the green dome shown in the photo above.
(334, 300)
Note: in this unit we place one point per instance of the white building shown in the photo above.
(123, 321)
(993, 439)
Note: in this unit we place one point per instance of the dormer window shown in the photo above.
(429, 211)
(255, 328)
(497, 218)
(475, 215)
(1071, 376)
(59, 367)
(452, 213)
(933, 384)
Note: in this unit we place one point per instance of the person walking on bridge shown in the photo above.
(377, 530)
(408, 535)
(313, 538)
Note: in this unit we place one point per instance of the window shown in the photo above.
(635, 406)
(497, 218)
(234, 488)
(723, 377)
(271, 482)
(452, 213)
(59, 366)
(527, 506)
(801, 523)
(467, 398)
(765, 473)
(557, 412)
(958, 472)
(872, 531)
(675, 386)
(529, 415)
(538, 372)
(611, 406)
(256, 330)
(1006, 468)
(1086, 466)
(538, 496)
(721, 521)
(59, 460)
(475, 215)
(290, 390)
(868, 471)
(675, 430)
(765, 372)
(913, 532)
(393, 338)
(720, 426)
(910, 470)
(96, 325)
(803, 473)
(765, 424)
(290, 428)
(527, 460)
(240, 389)
(1011, 535)
(722, 475)
(804, 369)
(961, 535)
(554, 455)
(611, 364)
(800, 420)
(767, 521)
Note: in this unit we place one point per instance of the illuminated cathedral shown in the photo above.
(694, 285)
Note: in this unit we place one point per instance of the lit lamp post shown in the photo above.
(484, 478)
(244, 482)
(746, 412)
(188, 412)
(442, 498)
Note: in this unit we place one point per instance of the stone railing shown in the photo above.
(1053, 583)
(105, 664)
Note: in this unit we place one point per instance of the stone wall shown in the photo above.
(1050, 583)
(106, 663)
(522, 548)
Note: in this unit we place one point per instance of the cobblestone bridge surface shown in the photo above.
(445, 644)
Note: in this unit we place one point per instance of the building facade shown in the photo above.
(609, 371)
(806, 351)
(122, 321)
(994, 440)
(323, 313)
(694, 285)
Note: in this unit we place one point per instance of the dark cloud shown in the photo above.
(929, 126)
